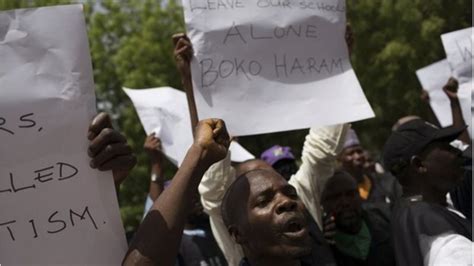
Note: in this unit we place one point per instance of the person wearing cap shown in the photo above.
(373, 187)
(426, 231)
(281, 159)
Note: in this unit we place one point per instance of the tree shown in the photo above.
(394, 38)
(131, 47)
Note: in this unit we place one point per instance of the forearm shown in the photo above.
(188, 88)
(157, 181)
(158, 237)
(458, 120)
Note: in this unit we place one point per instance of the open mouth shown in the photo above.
(295, 228)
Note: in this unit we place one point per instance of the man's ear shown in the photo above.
(417, 163)
(237, 235)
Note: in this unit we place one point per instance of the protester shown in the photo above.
(264, 215)
(281, 159)
(461, 195)
(198, 246)
(318, 162)
(357, 236)
(373, 187)
(425, 230)
(158, 237)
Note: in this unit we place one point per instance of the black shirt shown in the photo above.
(199, 248)
(412, 218)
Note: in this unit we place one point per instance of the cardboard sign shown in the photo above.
(266, 66)
(458, 48)
(432, 79)
(165, 112)
(55, 208)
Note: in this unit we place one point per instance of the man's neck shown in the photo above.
(429, 195)
(435, 197)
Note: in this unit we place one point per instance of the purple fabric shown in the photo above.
(351, 139)
(276, 153)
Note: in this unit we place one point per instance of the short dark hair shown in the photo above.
(229, 210)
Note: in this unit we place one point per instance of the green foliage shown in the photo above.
(131, 47)
(394, 38)
(130, 43)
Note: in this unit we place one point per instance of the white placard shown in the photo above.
(458, 48)
(266, 66)
(165, 112)
(55, 208)
(432, 79)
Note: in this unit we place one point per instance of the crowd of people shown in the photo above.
(338, 206)
(335, 206)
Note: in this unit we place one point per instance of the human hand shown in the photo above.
(330, 229)
(424, 96)
(183, 53)
(451, 89)
(109, 149)
(152, 146)
(211, 135)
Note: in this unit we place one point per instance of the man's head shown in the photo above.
(340, 199)
(250, 165)
(281, 159)
(404, 120)
(352, 156)
(419, 154)
(369, 164)
(264, 214)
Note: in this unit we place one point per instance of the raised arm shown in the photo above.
(152, 147)
(213, 186)
(183, 53)
(451, 90)
(158, 237)
(319, 155)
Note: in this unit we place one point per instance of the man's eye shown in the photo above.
(292, 193)
(262, 202)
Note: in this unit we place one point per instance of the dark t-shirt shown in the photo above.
(384, 186)
(461, 195)
(412, 218)
(199, 248)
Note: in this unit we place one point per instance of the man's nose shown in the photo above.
(286, 205)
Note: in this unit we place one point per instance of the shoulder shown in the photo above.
(420, 217)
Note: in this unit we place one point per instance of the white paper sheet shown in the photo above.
(432, 79)
(267, 68)
(458, 48)
(46, 104)
(165, 112)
